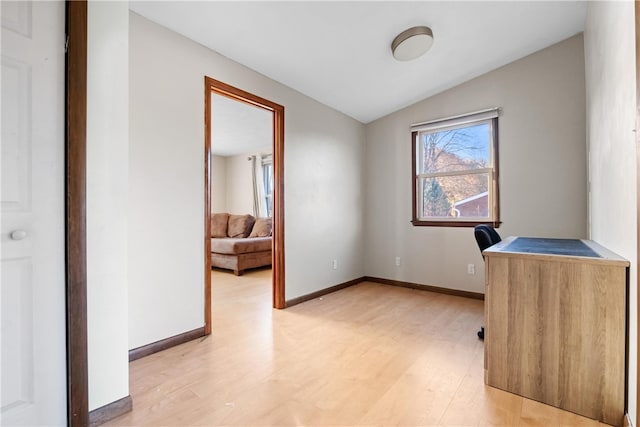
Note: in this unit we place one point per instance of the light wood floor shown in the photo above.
(368, 355)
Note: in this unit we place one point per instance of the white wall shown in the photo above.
(611, 118)
(239, 185)
(542, 168)
(323, 182)
(218, 184)
(239, 182)
(107, 182)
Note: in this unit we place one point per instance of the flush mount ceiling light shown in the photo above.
(412, 43)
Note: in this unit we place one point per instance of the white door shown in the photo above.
(32, 269)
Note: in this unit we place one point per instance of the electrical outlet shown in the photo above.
(471, 269)
(334, 264)
(397, 261)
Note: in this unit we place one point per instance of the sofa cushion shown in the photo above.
(262, 228)
(240, 225)
(219, 224)
(237, 246)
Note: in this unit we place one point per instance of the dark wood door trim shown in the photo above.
(75, 191)
(220, 88)
(637, 301)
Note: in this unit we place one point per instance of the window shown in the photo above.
(267, 174)
(455, 171)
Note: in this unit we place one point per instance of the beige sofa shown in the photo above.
(240, 242)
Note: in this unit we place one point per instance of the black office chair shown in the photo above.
(486, 236)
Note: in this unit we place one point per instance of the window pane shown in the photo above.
(268, 178)
(269, 207)
(459, 149)
(461, 196)
(267, 171)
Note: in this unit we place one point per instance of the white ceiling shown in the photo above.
(339, 52)
(239, 128)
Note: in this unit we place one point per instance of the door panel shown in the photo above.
(16, 16)
(32, 201)
(17, 333)
(16, 158)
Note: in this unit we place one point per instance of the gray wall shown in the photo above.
(218, 184)
(609, 39)
(323, 175)
(107, 215)
(239, 182)
(542, 168)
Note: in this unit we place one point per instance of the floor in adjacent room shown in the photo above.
(368, 355)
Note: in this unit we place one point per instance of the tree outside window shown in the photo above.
(455, 171)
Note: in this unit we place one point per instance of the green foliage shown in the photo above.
(436, 202)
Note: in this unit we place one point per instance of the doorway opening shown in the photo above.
(215, 87)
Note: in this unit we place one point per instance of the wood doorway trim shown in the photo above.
(220, 88)
(76, 200)
(637, 301)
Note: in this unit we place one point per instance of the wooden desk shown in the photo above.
(555, 326)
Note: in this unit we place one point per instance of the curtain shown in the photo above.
(259, 202)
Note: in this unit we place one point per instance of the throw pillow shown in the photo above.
(240, 225)
(219, 224)
(262, 228)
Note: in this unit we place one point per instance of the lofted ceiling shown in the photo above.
(338, 53)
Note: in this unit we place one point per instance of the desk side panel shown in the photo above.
(556, 333)
(614, 352)
(496, 318)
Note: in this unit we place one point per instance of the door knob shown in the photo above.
(18, 234)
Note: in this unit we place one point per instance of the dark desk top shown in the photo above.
(571, 250)
(568, 247)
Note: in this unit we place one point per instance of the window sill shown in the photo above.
(418, 223)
